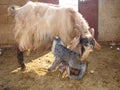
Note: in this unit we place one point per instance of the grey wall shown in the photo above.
(109, 20)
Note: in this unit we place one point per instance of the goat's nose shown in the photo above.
(91, 46)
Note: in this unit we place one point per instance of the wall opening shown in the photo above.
(69, 3)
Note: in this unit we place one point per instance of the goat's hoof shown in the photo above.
(6, 88)
(23, 68)
(50, 69)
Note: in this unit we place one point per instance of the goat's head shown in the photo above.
(88, 42)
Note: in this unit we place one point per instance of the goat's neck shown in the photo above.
(53, 46)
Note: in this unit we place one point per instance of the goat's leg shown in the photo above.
(62, 67)
(55, 64)
(81, 74)
(71, 76)
(83, 70)
(20, 58)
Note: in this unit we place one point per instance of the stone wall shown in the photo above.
(109, 20)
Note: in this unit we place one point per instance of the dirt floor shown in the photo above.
(104, 65)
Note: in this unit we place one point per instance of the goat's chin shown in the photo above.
(85, 55)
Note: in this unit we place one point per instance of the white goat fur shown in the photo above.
(38, 23)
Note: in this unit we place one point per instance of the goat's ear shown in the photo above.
(97, 45)
(92, 31)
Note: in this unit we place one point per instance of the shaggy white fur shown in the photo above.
(37, 23)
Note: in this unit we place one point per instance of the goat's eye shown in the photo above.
(92, 42)
(85, 41)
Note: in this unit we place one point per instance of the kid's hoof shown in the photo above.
(49, 69)
(6, 88)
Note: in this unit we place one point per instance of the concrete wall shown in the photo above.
(109, 20)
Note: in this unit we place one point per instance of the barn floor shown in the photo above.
(105, 64)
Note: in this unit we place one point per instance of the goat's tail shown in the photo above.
(12, 9)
